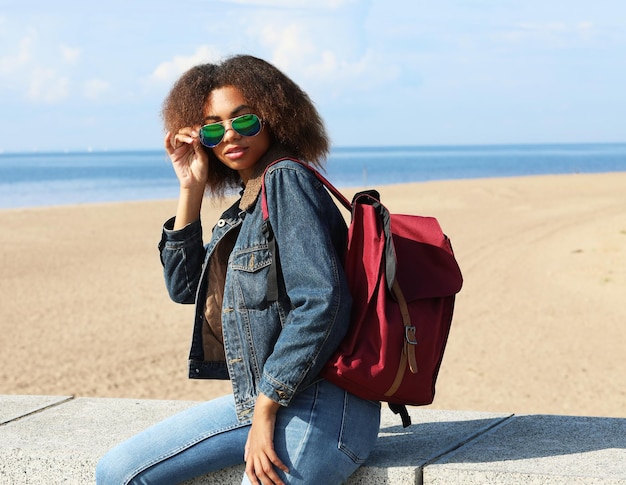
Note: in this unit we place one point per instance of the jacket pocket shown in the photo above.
(250, 268)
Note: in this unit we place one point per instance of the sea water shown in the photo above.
(43, 179)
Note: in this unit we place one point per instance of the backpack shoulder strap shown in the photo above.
(272, 276)
(331, 188)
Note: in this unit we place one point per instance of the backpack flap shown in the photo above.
(427, 267)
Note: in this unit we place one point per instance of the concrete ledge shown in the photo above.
(59, 439)
(539, 449)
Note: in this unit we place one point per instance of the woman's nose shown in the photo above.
(229, 132)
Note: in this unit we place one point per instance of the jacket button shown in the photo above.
(221, 223)
(282, 394)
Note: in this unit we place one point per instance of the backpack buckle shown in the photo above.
(409, 334)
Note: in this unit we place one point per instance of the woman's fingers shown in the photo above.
(261, 470)
(185, 136)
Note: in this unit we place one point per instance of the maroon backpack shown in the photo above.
(403, 278)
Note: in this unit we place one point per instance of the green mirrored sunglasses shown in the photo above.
(212, 134)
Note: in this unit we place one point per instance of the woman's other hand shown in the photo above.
(260, 456)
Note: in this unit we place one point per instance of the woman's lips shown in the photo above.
(234, 152)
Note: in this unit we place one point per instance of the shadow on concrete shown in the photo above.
(489, 440)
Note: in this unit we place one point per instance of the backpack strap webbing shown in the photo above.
(402, 411)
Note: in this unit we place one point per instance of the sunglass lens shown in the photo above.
(247, 125)
(211, 135)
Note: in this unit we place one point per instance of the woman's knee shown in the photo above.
(108, 471)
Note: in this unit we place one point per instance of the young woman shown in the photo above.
(225, 124)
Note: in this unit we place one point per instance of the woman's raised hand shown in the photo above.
(190, 161)
(191, 164)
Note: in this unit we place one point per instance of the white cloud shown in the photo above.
(168, 71)
(47, 86)
(11, 63)
(291, 45)
(306, 55)
(70, 54)
(362, 74)
(35, 72)
(95, 88)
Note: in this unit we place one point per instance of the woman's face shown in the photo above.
(236, 151)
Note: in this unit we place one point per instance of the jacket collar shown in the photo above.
(253, 187)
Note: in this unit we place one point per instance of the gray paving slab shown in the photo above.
(400, 453)
(539, 449)
(62, 444)
(13, 407)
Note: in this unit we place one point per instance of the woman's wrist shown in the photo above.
(189, 205)
(265, 406)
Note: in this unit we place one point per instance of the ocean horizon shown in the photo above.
(62, 178)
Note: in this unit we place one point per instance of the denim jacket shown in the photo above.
(277, 347)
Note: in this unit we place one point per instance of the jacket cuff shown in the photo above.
(173, 239)
(275, 390)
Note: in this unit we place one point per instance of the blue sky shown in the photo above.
(92, 75)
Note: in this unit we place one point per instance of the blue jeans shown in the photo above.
(322, 437)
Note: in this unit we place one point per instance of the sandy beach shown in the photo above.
(539, 326)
